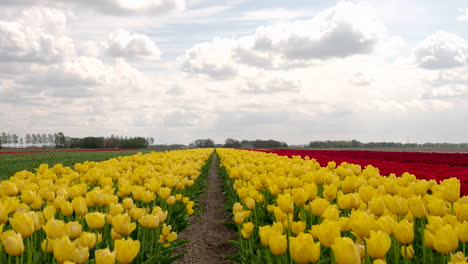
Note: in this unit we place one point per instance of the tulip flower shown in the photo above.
(164, 192)
(458, 257)
(378, 244)
(105, 256)
(64, 250)
(12, 243)
(462, 231)
(407, 251)
(247, 229)
(47, 245)
(285, 203)
(361, 223)
(403, 232)
(417, 207)
(264, 233)
(319, 206)
(345, 251)
(277, 243)
(377, 205)
(81, 255)
(23, 224)
(73, 229)
(298, 227)
(136, 213)
(299, 197)
(327, 232)
(303, 249)
(445, 239)
(54, 229)
(95, 220)
(126, 250)
(79, 205)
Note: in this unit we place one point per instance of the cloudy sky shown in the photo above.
(179, 70)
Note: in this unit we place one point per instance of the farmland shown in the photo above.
(283, 206)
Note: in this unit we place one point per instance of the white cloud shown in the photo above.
(213, 59)
(36, 35)
(122, 43)
(272, 14)
(342, 31)
(270, 85)
(112, 7)
(442, 50)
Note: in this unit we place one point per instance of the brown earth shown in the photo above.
(209, 237)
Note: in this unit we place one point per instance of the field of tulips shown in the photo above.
(436, 166)
(13, 161)
(123, 210)
(298, 210)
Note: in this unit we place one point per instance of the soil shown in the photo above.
(209, 238)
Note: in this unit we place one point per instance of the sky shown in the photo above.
(179, 70)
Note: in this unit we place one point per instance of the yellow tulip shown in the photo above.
(361, 223)
(81, 255)
(54, 229)
(298, 227)
(329, 192)
(12, 243)
(73, 229)
(428, 238)
(126, 250)
(149, 220)
(379, 261)
(417, 206)
(127, 203)
(164, 192)
(278, 244)
(331, 213)
(299, 197)
(247, 229)
(437, 207)
(64, 249)
(377, 206)
(378, 244)
(66, 208)
(303, 249)
(23, 224)
(49, 212)
(122, 224)
(403, 232)
(462, 231)
(407, 251)
(451, 189)
(445, 239)
(237, 207)
(264, 233)
(458, 257)
(105, 256)
(116, 209)
(79, 205)
(95, 220)
(136, 213)
(345, 251)
(366, 193)
(239, 217)
(86, 240)
(327, 232)
(285, 203)
(462, 212)
(319, 206)
(47, 245)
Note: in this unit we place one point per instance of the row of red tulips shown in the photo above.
(432, 168)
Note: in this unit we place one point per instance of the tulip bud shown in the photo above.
(95, 220)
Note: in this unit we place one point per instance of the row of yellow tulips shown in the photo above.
(292, 210)
(126, 209)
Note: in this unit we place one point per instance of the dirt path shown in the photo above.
(209, 237)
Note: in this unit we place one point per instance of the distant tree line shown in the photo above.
(111, 142)
(59, 140)
(233, 143)
(357, 144)
(33, 140)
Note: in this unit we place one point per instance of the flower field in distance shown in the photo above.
(125, 209)
(298, 210)
(429, 166)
